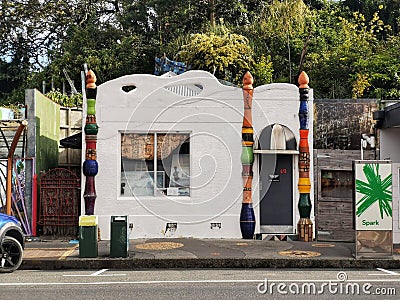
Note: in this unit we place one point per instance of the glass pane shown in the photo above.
(174, 160)
(137, 164)
(336, 184)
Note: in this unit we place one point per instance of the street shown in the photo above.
(201, 284)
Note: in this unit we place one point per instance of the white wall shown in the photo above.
(214, 119)
(389, 149)
(395, 203)
(389, 144)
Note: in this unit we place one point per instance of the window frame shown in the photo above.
(322, 196)
(157, 192)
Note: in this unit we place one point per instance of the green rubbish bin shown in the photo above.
(119, 242)
(88, 236)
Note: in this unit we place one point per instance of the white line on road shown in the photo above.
(183, 282)
(386, 272)
(126, 282)
(98, 273)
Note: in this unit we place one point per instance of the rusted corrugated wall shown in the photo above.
(339, 123)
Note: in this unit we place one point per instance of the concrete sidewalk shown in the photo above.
(202, 253)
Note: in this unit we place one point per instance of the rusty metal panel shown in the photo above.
(59, 202)
(339, 123)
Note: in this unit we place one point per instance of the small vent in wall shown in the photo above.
(186, 90)
(128, 88)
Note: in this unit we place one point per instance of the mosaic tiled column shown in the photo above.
(90, 166)
(247, 218)
(305, 225)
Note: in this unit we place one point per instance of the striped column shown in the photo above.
(90, 166)
(247, 218)
(305, 225)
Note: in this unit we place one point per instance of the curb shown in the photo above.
(199, 263)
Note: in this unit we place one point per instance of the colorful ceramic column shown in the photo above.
(247, 218)
(90, 166)
(305, 225)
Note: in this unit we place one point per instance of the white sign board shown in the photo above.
(373, 195)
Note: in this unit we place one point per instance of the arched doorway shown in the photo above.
(276, 148)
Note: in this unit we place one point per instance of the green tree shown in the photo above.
(281, 30)
(31, 29)
(58, 97)
(226, 55)
(342, 54)
(105, 50)
(379, 72)
(345, 54)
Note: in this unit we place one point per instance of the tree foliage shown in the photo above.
(58, 97)
(346, 56)
(280, 30)
(348, 48)
(226, 55)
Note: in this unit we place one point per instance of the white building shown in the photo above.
(193, 186)
(388, 121)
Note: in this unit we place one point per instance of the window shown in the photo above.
(336, 183)
(145, 174)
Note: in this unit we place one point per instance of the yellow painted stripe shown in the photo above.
(304, 181)
(304, 189)
(68, 253)
(247, 143)
(304, 185)
(247, 130)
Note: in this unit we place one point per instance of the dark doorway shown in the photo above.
(276, 193)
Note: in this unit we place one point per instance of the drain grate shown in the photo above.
(299, 253)
(159, 246)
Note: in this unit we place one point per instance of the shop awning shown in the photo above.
(72, 141)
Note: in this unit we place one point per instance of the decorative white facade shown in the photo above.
(389, 150)
(197, 106)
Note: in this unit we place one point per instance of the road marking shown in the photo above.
(98, 274)
(68, 253)
(183, 282)
(125, 282)
(386, 272)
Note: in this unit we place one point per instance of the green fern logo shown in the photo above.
(375, 190)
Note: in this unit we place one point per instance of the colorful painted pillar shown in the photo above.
(305, 225)
(247, 218)
(90, 166)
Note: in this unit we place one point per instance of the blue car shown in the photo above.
(12, 243)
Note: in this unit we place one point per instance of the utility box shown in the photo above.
(373, 210)
(119, 242)
(88, 246)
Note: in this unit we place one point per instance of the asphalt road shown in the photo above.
(201, 284)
